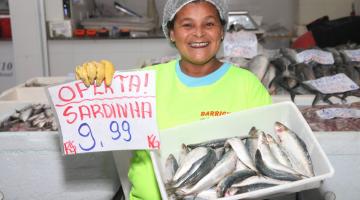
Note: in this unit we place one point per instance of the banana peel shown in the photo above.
(91, 71)
(82, 74)
(100, 73)
(95, 71)
(77, 72)
(109, 71)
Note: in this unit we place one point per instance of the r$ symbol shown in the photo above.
(69, 147)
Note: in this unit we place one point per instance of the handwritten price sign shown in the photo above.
(354, 55)
(319, 56)
(337, 83)
(330, 113)
(119, 117)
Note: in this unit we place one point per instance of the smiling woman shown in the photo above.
(197, 33)
(197, 86)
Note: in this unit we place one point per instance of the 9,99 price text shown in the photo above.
(117, 131)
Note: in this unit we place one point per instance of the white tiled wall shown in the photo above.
(125, 54)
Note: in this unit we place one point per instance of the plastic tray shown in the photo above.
(239, 123)
(34, 94)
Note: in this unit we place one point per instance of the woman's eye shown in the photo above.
(210, 24)
(186, 25)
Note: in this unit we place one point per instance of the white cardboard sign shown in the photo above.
(319, 56)
(119, 117)
(240, 44)
(330, 113)
(354, 55)
(333, 84)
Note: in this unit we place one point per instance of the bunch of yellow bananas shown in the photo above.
(99, 71)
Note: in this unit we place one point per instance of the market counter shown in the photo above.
(29, 160)
(343, 151)
(33, 167)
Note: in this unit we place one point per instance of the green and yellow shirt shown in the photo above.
(183, 99)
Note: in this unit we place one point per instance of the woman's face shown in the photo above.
(197, 32)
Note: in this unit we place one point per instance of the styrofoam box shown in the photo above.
(38, 94)
(33, 167)
(48, 80)
(237, 124)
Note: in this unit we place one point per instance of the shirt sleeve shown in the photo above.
(142, 177)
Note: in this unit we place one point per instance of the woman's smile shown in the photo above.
(197, 35)
(199, 44)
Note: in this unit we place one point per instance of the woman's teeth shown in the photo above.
(199, 44)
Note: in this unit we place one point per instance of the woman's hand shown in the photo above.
(99, 71)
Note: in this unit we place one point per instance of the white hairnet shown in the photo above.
(173, 6)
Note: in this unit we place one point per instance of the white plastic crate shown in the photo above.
(239, 123)
(48, 80)
(34, 94)
(33, 167)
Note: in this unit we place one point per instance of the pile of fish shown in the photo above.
(280, 71)
(226, 167)
(317, 123)
(35, 83)
(35, 117)
(291, 74)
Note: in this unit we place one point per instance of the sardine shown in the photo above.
(259, 179)
(171, 166)
(37, 108)
(285, 76)
(290, 54)
(241, 151)
(258, 65)
(214, 143)
(252, 142)
(195, 166)
(15, 115)
(37, 116)
(237, 176)
(183, 152)
(324, 70)
(304, 72)
(240, 166)
(269, 76)
(336, 54)
(48, 113)
(224, 167)
(25, 114)
(219, 152)
(268, 165)
(296, 149)
(30, 118)
(277, 151)
(271, 172)
(189, 161)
